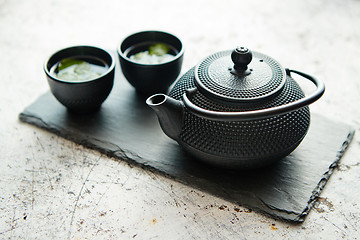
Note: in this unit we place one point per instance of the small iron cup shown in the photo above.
(149, 79)
(81, 96)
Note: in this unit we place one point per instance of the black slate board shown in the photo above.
(127, 129)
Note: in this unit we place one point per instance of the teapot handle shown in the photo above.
(257, 114)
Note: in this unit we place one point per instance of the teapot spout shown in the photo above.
(170, 113)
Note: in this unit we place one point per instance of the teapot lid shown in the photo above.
(239, 75)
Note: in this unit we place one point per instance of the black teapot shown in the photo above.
(237, 108)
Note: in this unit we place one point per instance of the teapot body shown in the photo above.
(237, 108)
(244, 144)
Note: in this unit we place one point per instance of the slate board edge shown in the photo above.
(117, 152)
(134, 159)
(326, 176)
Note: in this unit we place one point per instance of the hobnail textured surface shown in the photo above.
(214, 76)
(243, 141)
(82, 97)
(83, 104)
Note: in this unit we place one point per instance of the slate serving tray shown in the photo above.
(127, 129)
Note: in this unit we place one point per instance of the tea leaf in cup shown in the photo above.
(67, 63)
(159, 49)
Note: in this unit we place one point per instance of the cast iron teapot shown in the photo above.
(237, 108)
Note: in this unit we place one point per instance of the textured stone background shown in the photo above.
(51, 188)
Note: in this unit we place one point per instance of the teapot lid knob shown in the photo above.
(241, 57)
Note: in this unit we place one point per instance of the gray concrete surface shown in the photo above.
(51, 188)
